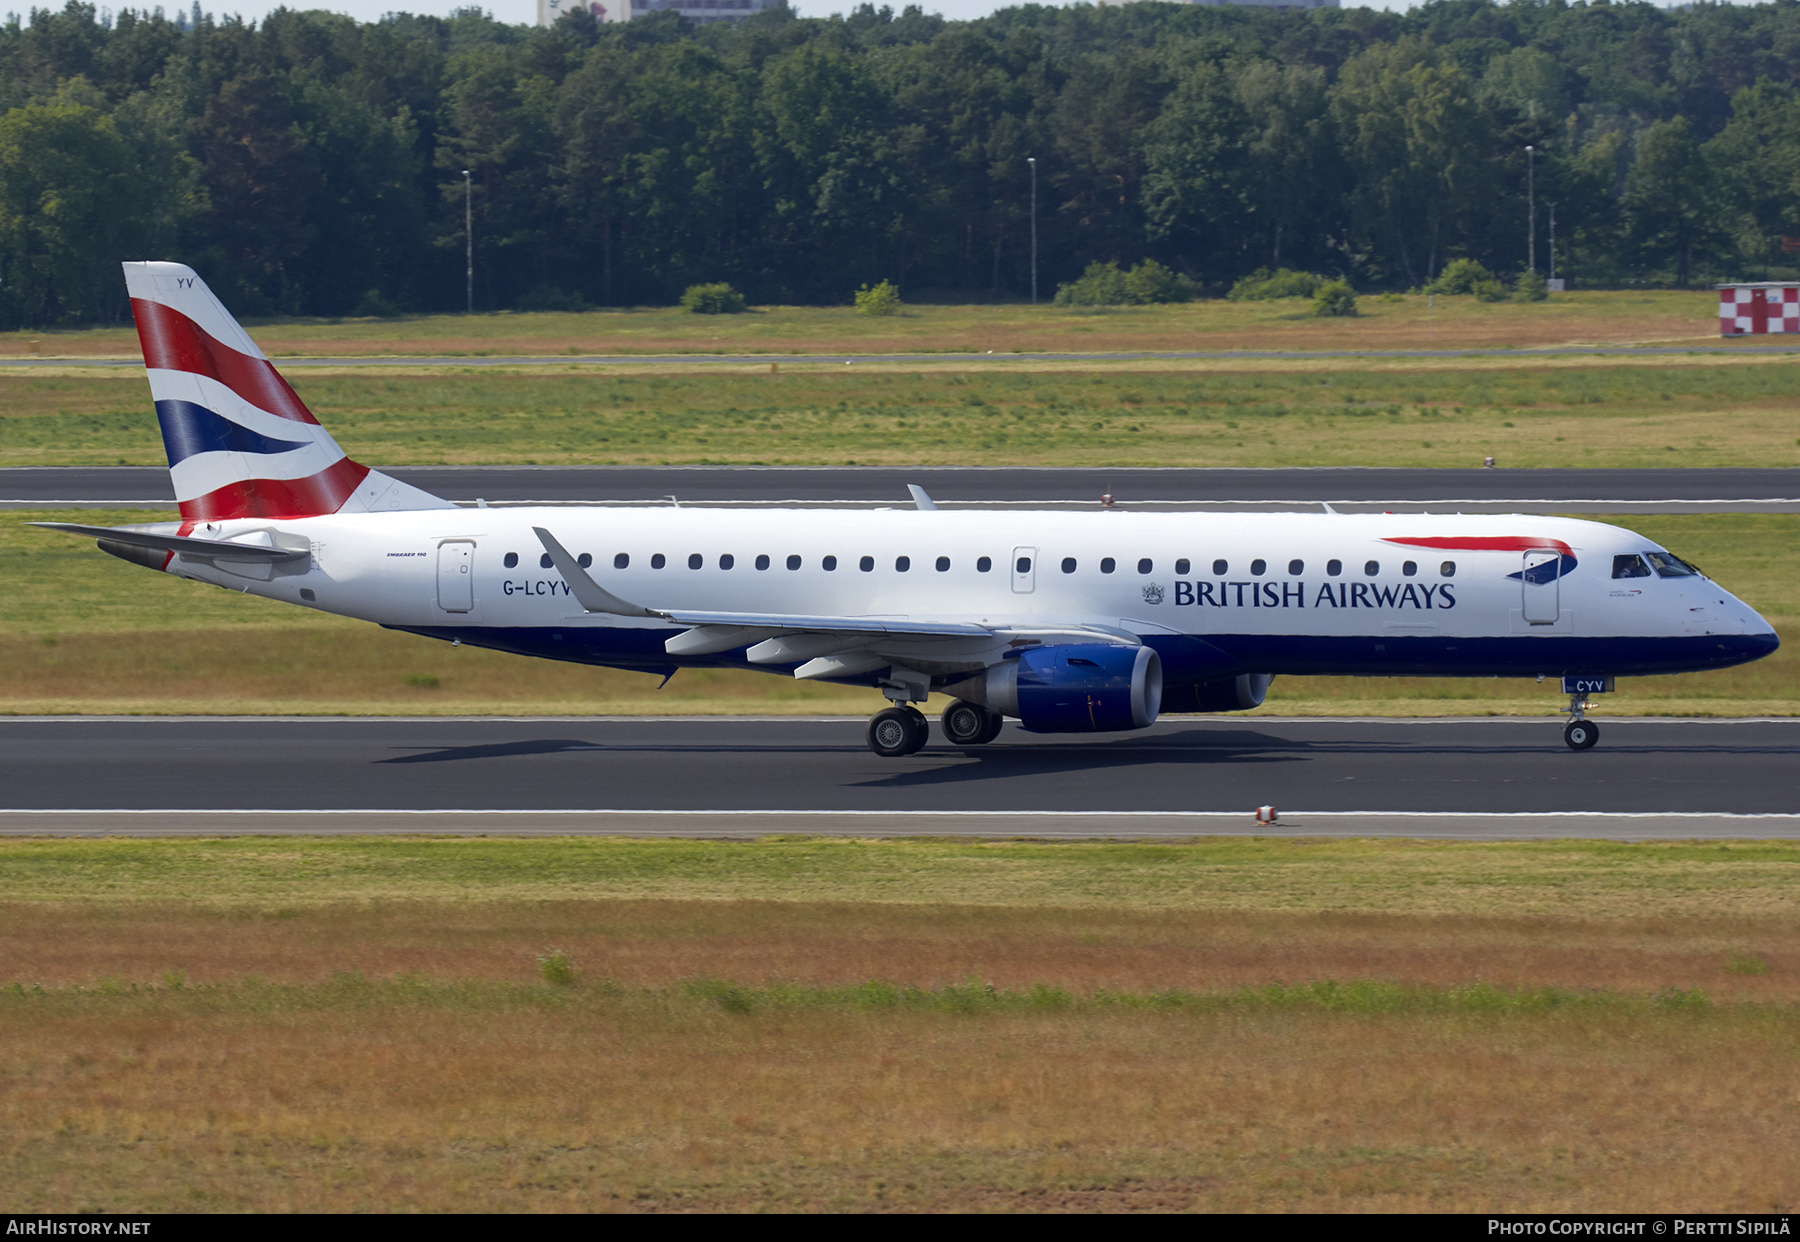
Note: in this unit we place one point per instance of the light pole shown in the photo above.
(469, 241)
(1531, 208)
(1032, 160)
(1552, 207)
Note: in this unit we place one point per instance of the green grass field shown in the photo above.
(81, 631)
(805, 1024)
(1658, 412)
(1397, 322)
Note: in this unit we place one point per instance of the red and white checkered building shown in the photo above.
(1751, 310)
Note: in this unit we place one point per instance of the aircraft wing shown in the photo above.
(187, 545)
(825, 646)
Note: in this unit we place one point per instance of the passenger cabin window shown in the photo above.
(1631, 565)
(1258, 567)
(1296, 568)
(695, 560)
(1220, 567)
(511, 561)
(867, 564)
(1447, 569)
(943, 564)
(902, 564)
(1410, 569)
(658, 561)
(793, 562)
(1668, 566)
(727, 560)
(622, 560)
(829, 564)
(1145, 566)
(1333, 568)
(1068, 565)
(1182, 567)
(544, 561)
(1107, 564)
(585, 560)
(1372, 568)
(1024, 565)
(983, 564)
(762, 562)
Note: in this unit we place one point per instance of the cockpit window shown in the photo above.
(1668, 566)
(1631, 565)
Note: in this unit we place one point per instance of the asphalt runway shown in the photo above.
(1185, 777)
(1351, 489)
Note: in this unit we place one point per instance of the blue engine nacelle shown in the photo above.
(1221, 694)
(1076, 688)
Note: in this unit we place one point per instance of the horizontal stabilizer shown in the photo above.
(185, 545)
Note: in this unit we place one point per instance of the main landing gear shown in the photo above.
(902, 730)
(896, 731)
(970, 724)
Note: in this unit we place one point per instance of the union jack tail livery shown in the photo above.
(241, 443)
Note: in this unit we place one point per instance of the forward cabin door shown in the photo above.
(1024, 570)
(456, 575)
(1541, 584)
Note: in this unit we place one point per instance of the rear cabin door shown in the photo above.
(1541, 585)
(456, 575)
(1024, 570)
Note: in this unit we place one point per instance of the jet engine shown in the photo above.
(1074, 688)
(1221, 694)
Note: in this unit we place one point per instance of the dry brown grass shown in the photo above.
(405, 1098)
(365, 1025)
(591, 1107)
(651, 943)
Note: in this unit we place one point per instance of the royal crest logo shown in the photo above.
(1153, 594)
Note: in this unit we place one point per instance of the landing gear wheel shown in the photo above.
(1581, 734)
(970, 724)
(897, 731)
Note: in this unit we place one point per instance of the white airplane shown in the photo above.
(1068, 622)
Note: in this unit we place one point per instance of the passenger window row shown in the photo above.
(1259, 567)
(1146, 565)
(695, 560)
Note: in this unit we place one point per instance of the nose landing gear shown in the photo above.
(1580, 733)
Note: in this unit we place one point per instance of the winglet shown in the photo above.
(590, 594)
(925, 503)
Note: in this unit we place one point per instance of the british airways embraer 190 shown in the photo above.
(1069, 622)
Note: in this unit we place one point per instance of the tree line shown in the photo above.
(311, 164)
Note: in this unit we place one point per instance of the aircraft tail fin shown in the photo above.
(240, 441)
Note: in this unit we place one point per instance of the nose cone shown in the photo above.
(1752, 636)
(1760, 636)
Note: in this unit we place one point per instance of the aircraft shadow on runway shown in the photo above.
(1020, 754)
(496, 750)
